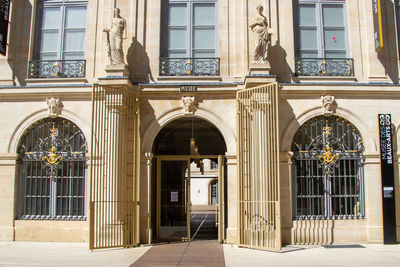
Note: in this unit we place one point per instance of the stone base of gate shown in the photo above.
(324, 232)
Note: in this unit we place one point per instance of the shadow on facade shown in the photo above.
(388, 55)
(19, 34)
(279, 66)
(139, 63)
(286, 185)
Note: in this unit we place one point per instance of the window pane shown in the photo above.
(74, 41)
(309, 54)
(332, 15)
(73, 55)
(204, 14)
(48, 56)
(49, 41)
(334, 39)
(205, 53)
(177, 15)
(307, 15)
(308, 39)
(335, 54)
(175, 54)
(51, 18)
(75, 17)
(204, 38)
(177, 39)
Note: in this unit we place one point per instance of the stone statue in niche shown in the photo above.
(189, 104)
(328, 104)
(115, 36)
(54, 106)
(262, 33)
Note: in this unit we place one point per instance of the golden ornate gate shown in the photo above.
(114, 195)
(258, 167)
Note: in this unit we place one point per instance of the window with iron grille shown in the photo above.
(189, 38)
(59, 49)
(61, 30)
(52, 171)
(321, 39)
(328, 170)
(320, 29)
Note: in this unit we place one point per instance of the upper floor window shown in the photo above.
(189, 29)
(61, 28)
(59, 49)
(189, 38)
(320, 29)
(321, 39)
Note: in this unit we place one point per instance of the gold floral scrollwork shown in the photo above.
(328, 157)
(52, 159)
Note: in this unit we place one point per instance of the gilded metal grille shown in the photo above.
(258, 164)
(52, 171)
(324, 66)
(57, 68)
(328, 173)
(189, 66)
(114, 195)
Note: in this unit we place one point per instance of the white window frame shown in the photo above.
(189, 26)
(62, 4)
(320, 25)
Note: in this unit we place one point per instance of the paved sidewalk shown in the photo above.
(78, 254)
(364, 255)
(65, 254)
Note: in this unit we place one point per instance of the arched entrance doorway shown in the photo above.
(188, 155)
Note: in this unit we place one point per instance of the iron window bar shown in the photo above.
(324, 67)
(189, 66)
(57, 69)
(52, 172)
(328, 183)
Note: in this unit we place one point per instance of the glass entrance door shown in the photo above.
(173, 190)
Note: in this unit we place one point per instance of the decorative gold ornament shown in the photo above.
(52, 159)
(327, 131)
(328, 157)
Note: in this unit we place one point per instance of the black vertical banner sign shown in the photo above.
(4, 13)
(387, 173)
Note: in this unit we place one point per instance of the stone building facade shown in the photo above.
(303, 135)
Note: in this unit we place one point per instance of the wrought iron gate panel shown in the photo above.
(52, 164)
(114, 168)
(258, 167)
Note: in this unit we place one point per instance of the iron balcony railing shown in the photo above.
(189, 66)
(324, 67)
(57, 69)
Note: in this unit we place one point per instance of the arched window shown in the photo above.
(328, 170)
(52, 171)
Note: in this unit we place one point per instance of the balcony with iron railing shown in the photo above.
(57, 69)
(324, 67)
(189, 67)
